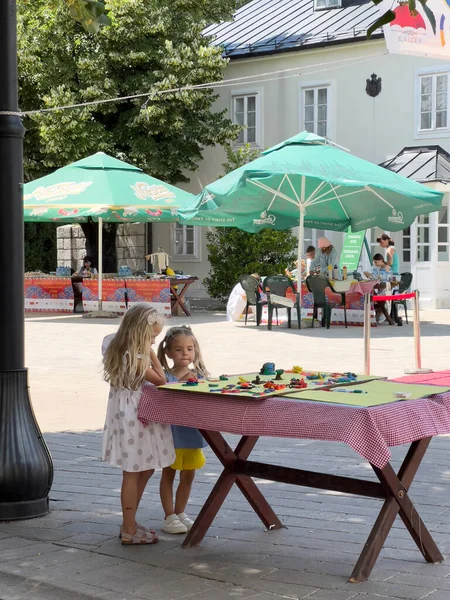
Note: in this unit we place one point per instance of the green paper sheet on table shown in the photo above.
(378, 393)
(204, 386)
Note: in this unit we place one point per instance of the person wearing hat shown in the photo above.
(327, 255)
(391, 253)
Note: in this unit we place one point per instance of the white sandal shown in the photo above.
(139, 538)
(141, 527)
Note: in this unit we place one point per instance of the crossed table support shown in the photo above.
(392, 488)
(178, 296)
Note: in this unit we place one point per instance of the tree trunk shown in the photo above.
(90, 230)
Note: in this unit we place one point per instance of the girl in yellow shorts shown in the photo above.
(181, 346)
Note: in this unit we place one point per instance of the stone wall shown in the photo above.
(130, 245)
(71, 246)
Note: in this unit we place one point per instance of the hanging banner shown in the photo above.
(426, 33)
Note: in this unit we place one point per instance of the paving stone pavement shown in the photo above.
(74, 552)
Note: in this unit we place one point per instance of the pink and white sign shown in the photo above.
(425, 33)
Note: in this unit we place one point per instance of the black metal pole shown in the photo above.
(26, 470)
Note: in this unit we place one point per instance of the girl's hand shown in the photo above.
(155, 373)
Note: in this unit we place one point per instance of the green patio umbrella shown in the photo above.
(102, 188)
(306, 181)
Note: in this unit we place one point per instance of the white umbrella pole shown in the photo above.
(366, 334)
(100, 263)
(417, 350)
(301, 235)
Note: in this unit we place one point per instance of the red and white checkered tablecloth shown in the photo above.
(369, 431)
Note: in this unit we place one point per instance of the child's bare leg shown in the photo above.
(166, 490)
(129, 499)
(144, 476)
(184, 491)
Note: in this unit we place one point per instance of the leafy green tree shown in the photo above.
(233, 252)
(149, 46)
(40, 247)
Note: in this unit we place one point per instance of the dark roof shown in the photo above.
(272, 26)
(421, 163)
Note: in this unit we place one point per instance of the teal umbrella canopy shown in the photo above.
(101, 186)
(307, 181)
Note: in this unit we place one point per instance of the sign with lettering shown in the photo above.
(424, 31)
(351, 251)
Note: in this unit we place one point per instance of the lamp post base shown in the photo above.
(418, 371)
(26, 469)
(15, 511)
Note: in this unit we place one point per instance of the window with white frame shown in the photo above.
(185, 242)
(245, 113)
(434, 102)
(323, 4)
(407, 245)
(423, 253)
(443, 233)
(316, 101)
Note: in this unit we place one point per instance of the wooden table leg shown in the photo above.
(179, 297)
(398, 501)
(251, 492)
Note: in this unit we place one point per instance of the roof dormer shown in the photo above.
(325, 4)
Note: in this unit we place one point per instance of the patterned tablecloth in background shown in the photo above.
(369, 431)
(355, 287)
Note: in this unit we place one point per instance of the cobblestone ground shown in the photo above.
(74, 552)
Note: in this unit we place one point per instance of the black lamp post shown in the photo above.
(26, 470)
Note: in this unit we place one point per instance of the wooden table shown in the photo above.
(178, 288)
(369, 431)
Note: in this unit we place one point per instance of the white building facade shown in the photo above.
(283, 81)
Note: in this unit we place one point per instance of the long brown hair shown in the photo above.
(170, 337)
(128, 355)
(386, 238)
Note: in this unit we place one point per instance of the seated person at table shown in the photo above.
(327, 256)
(378, 264)
(86, 271)
(258, 279)
(312, 259)
(294, 273)
(307, 266)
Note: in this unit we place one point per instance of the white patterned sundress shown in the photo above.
(129, 445)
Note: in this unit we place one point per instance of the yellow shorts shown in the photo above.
(188, 459)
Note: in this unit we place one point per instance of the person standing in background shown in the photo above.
(391, 253)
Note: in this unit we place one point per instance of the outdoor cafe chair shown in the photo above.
(278, 285)
(252, 289)
(404, 286)
(317, 284)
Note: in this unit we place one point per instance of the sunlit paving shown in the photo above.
(323, 531)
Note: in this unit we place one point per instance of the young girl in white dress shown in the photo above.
(129, 362)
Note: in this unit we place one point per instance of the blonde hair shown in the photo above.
(170, 337)
(128, 355)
